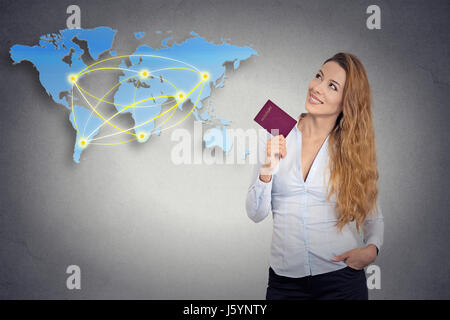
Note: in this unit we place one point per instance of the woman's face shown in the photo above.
(327, 87)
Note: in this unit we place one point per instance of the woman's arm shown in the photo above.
(374, 229)
(258, 201)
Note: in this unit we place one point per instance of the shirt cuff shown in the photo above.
(376, 243)
(262, 187)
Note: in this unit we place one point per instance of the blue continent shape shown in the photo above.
(52, 48)
(83, 124)
(139, 35)
(47, 58)
(195, 51)
(219, 137)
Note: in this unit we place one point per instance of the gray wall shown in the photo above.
(141, 227)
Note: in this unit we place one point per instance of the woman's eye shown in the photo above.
(334, 87)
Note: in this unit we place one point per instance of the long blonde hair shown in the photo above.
(353, 163)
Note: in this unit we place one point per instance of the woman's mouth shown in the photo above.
(314, 100)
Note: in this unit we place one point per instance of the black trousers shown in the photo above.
(342, 284)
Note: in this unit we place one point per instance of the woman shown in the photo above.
(318, 180)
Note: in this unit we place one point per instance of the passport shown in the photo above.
(272, 116)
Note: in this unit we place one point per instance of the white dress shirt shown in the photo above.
(305, 237)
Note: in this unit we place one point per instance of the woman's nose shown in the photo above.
(317, 89)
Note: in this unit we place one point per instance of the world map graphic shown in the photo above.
(158, 88)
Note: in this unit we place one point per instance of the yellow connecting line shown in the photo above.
(144, 74)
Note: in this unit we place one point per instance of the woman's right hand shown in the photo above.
(275, 150)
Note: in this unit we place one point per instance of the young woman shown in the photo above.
(317, 181)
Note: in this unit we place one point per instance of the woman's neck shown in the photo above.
(316, 127)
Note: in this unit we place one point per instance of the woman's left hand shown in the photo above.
(358, 258)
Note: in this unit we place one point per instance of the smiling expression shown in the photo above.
(325, 91)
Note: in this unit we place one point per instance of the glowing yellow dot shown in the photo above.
(145, 73)
(180, 96)
(141, 136)
(72, 78)
(83, 143)
(205, 76)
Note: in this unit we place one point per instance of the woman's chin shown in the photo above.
(309, 107)
(312, 110)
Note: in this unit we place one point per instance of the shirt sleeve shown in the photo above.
(259, 195)
(374, 229)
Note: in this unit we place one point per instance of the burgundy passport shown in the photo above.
(273, 117)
